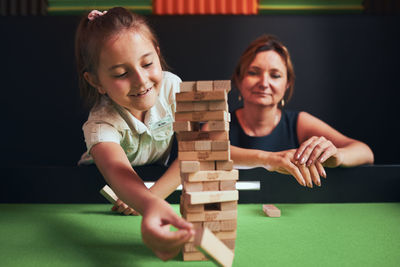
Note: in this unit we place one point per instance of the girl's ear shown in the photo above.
(92, 80)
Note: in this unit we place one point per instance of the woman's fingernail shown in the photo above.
(302, 160)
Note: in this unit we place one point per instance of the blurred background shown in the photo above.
(346, 55)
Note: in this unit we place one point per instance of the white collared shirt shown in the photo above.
(143, 142)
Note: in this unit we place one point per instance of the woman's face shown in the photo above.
(265, 81)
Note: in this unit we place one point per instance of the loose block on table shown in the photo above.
(271, 210)
(109, 194)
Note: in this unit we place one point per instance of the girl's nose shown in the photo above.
(139, 79)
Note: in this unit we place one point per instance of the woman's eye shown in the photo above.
(252, 73)
(276, 76)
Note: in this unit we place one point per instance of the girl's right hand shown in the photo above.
(156, 232)
(284, 162)
(121, 207)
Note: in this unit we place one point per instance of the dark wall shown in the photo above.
(346, 69)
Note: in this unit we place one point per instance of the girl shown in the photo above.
(264, 134)
(121, 75)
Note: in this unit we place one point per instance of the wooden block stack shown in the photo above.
(209, 196)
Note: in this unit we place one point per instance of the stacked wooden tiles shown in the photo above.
(209, 195)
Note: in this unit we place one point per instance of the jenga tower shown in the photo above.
(209, 196)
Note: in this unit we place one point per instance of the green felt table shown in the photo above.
(305, 235)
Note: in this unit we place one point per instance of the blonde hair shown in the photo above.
(265, 43)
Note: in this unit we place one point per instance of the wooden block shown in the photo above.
(202, 145)
(210, 215)
(226, 165)
(218, 126)
(207, 165)
(201, 96)
(211, 186)
(202, 135)
(271, 211)
(212, 176)
(211, 196)
(194, 256)
(189, 166)
(109, 194)
(223, 85)
(227, 185)
(201, 106)
(192, 208)
(188, 86)
(190, 247)
(218, 105)
(220, 145)
(226, 234)
(209, 244)
(229, 205)
(193, 186)
(184, 106)
(229, 243)
(202, 86)
(218, 115)
(204, 155)
(182, 126)
(214, 226)
(186, 146)
(228, 225)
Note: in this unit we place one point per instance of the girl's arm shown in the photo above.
(320, 142)
(168, 182)
(157, 213)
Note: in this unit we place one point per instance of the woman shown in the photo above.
(264, 134)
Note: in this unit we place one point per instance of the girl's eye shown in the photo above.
(121, 75)
(252, 73)
(147, 65)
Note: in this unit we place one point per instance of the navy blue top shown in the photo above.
(283, 137)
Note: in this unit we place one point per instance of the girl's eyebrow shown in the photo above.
(122, 64)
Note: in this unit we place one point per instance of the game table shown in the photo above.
(345, 234)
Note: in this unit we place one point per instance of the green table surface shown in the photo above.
(305, 235)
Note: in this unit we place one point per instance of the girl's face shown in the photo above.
(130, 72)
(265, 80)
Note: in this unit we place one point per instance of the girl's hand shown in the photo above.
(156, 232)
(284, 162)
(318, 149)
(121, 207)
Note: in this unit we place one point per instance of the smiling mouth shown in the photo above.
(142, 93)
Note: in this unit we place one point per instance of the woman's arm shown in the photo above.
(320, 142)
(157, 213)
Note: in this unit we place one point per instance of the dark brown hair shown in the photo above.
(92, 34)
(265, 43)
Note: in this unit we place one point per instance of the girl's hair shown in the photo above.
(265, 43)
(92, 34)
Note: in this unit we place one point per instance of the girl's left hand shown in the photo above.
(318, 149)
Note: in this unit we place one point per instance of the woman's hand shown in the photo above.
(121, 207)
(318, 149)
(284, 162)
(156, 232)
